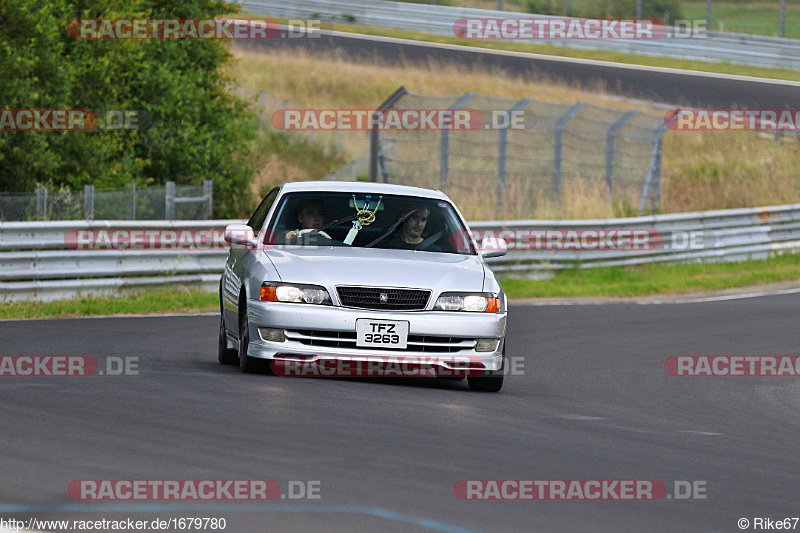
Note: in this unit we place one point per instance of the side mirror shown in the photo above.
(240, 234)
(493, 247)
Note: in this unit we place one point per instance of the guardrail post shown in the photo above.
(653, 180)
(502, 147)
(169, 201)
(41, 203)
(611, 137)
(559, 148)
(88, 202)
(444, 145)
(208, 198)
(374, 135)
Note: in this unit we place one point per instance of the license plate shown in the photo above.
(381, 333)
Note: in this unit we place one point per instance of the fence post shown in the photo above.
(783, 18)
(88, 202)
(133, 202)
(559, 150)
(502, 148)
(169, 201)
(611, 138)
(41, 203)
(444, 145)
(374, 134)
(208, 197)
(653, 180)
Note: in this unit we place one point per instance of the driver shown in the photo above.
(410, 236)
(311, 216)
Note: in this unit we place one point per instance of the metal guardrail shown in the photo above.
(37, 264)
(775, 52)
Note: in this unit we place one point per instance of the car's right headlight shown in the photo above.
(295, 292)
(474, 302)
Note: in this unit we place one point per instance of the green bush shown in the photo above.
(199, 130)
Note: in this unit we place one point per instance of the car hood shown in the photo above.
(331, 266)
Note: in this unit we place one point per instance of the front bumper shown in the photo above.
(321, 330)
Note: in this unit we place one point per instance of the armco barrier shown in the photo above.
(37, 264)
(736, 48)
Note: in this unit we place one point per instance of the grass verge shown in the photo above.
(654, 279)
(646, 280)
(560, 51)
(152, 301)
(702, 169)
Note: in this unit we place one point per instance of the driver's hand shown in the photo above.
(293, 234)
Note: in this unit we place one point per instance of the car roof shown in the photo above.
(361, 187)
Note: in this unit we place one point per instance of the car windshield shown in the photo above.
(368, 221)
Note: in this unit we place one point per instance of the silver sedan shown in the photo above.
(333, 272)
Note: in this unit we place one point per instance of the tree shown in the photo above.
(199, 129)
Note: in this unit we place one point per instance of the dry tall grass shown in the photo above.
(701, 170)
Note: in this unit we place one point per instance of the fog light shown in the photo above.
(272, 335)
(487, 345)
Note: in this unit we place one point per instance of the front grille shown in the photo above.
(395, 300)
(347, 339)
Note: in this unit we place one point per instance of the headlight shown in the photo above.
(478, 303)
(294, 292)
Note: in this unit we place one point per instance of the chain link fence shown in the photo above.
(523, 169)
(170, 202)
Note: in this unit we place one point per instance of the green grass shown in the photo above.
(151, 301)
(560, 51)
(741, 17)
(654, 279)
(647, 280)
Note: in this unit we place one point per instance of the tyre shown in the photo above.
(489, 380)
(249, 365)
(226, 356)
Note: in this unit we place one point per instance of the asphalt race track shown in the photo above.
(675, 87)
(595, 403)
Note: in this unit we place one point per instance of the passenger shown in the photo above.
(410, 236)
(311, 216)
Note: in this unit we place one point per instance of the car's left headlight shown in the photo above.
(475, 302)
(295, 292)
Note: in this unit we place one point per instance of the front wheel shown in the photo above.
(226, 356)
(489, 380)
(249, 365)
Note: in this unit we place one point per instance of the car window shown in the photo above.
(368, 221)
(257, 220)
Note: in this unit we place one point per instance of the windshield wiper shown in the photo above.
(390, 230)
